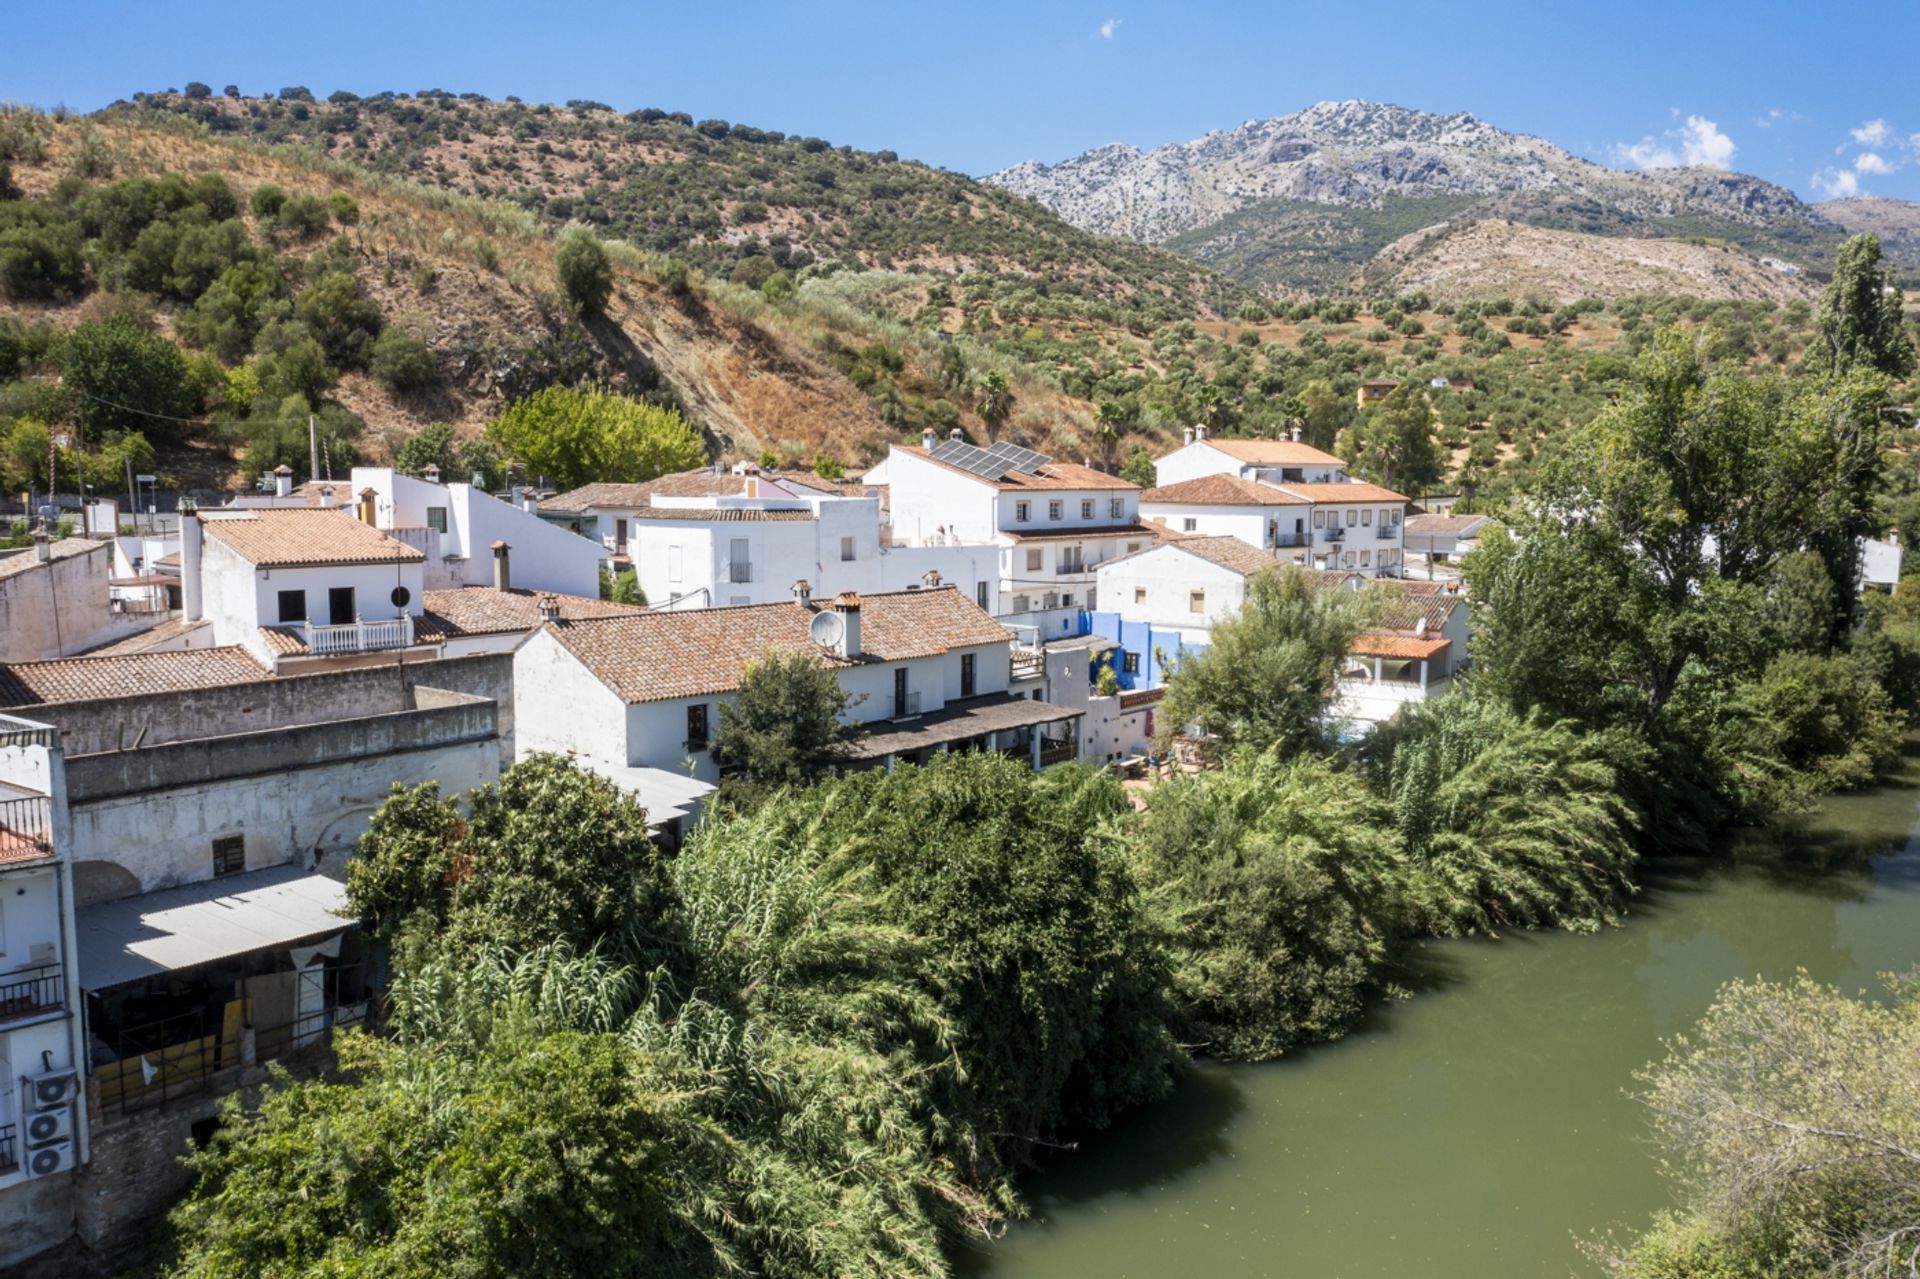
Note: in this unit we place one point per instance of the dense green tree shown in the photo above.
(1278, 882)
(1138, 468)
(1861, 324)
(131, 379)
(1324, 413)
(585, 273)
(1392, 443)
(403, 362)
(1262, 680)
(341, 317)
(1800, 604)
(785, 724)
(575, 436)
(431, 445)
(227, 317)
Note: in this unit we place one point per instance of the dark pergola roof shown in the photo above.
(957, 722)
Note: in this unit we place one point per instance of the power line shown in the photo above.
(191, 421)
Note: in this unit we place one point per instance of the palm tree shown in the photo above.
(1112, 416)
(995, 401)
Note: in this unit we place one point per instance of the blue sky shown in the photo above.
(1822, 103)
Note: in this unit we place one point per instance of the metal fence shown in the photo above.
(32, 990)
(9, 1147)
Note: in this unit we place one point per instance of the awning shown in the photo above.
(955, 722)
(175, 928)
(665, 794)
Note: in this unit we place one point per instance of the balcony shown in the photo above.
(736, 571)
(1281, 540)
(359, 637)
(26, 826)
(905, 705)
(9, 1147)
(28, 992)
(1028, 663)
(1387, 532)
(1333, 535)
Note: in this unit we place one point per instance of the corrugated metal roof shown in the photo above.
(175, 928)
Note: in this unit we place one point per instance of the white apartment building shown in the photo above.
(638, 698)
(1184, 585)
(1052, 523)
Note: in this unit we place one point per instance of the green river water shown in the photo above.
(1479, 1127)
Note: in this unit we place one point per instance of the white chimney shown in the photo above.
(931, 578)
(549, 608)
(1199, 431)
(847, 605)
(1186, 435)
(502, 575)
(926, 438)
(956, 435)
(190, 603)
(803, 592)
(1296, 435)
(326, 497)
(430, 473)
(283, 480)
(42, 545)
(530, 500)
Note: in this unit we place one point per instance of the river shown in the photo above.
(1479, 1127)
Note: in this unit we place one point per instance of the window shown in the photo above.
(1132, 547)
(230, 855)
(980, 594)
(1116, 508)
(293, 606)
(1319, 519)
(1056, 509)
(437, 519)
(1348, 561)
(1086, 508)
(1020, 603)
(1130, 663)
(1363, 559)
(1022, 512)
(1034, 556)
(1073, 559)
(1066, 601)
(340, 609)
(966, 674)
(1196, 602)
(1189, 524)
(1366, 516)
(1139, 595)
(846, 549)
(673, 563)
(697, 726)
(1353, 517)
(901, 704)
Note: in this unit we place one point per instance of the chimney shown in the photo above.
(430, 473)
(549, 607)
(367, 495)
(502, 577)
(1199, 431)
(930, 579)
(1296, 435)
(847, 605)
(190, 608)
(326, 497)
(283, 480)
(530, 500)
(1186, 435)
(803, 592)
(926, 439)
(42, 545)
(957, 435)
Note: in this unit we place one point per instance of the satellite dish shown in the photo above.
(828, 629)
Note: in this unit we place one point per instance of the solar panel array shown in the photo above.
(991, 463)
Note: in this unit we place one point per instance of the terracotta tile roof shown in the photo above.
(1228, 552)
(1053, 476)
(169, 630)
(296, 537)
(1274, 452)
(1349, 491)
(64, 549)
(170, 560)
(1097, 530)
(284, 640)
(661, 655)
(1404, 604)
(81, 679)
(1392, 644)
(1221, 490)
(610, 495)
(482, 610)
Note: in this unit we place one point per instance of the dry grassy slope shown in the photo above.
(743, 380)
(1490, 258)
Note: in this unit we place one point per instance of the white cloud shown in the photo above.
(1776, 115)
(1110, 26)
(1836, 184)
(1872, 162)
(1873, 133)
(1699, 141)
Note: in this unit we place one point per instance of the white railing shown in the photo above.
(360, 637)
(736, 571)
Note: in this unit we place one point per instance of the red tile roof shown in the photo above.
(1274, 452)
(482, 610)
(661, 655)
(81, 679)
(1347, 491)
(1389, 644)
(300, 537)
(1221, 490)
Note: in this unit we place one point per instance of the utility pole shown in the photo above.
(313, 450)
(133, 499)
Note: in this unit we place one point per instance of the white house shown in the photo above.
(1411, 654)
(636, 697)
(1275, 461)
(1443, 538)
(1052, 523)
(1184, 585)
(43, 1118)
(55, 600)
(604, 511)
(1346, 526)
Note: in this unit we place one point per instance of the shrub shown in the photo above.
(402, 362)
(266, 201)
(573, 436)
(302, 216)
(134, 380)
(585, 274)
(344, 208)
(40, 261)
(341, 317)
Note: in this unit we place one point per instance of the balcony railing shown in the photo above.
(736, 571)
(1028, 663)
(29, 991)
(1060, 752)
(905, 705)
(1334, 535)
(26, 828)
(9, 1148)
(360, 637)
(1289, 539)
(1387, 532)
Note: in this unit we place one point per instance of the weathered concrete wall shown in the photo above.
(112, 724)
(59, 608)
(35, 1216)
